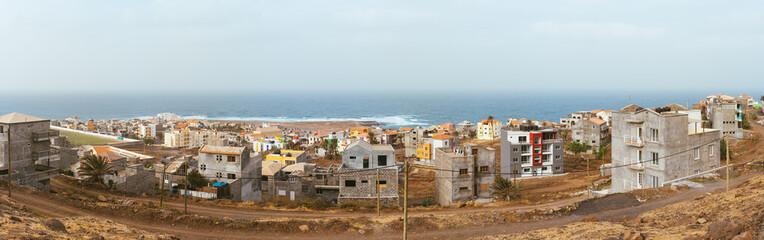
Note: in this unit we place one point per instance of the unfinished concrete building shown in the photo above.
(652, 147)
(726, 115)
(31, 156)
(234, 166)
(472, 170)
(592, 132)
(529, 150)
(361, 162)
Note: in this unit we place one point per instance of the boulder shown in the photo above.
(633, 236)
(101, 198)
(15, 219)
(744, 236)
(702, 220)
(304, 228)
(724, 229)
(55, 225)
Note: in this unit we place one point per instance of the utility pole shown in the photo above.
(728, 160)
(185, 194)
(377, 192)
(406, 200)
(9, 161)
(588, 177)
(161, 187)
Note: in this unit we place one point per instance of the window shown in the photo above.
(203, 167)
(264, 178)
(484, 169)
(219, 158)
(218, 175)
(711, 150)
(526, 159)
(558, 146)
(462, 171)
(1, 129)
(304, 189)
(557, 168)
(639, 178)
(525, 149)
(463, 189)
(364, 181)
(352, 157)
(522, 139)
(292, 179)
(382, 183)
(526, 170)
(537, 159)
(231, 176)
(514, 160)
(474, 151)
(349, 183)
(231, 158)
(365, 162)
(696, 153)
(515, 149)
(654, 182)
(557, 156)
(653, 134)
(382, 160)
(544, 168)
(319, 191)
(654, 158)
(545, 158)
(536, 140)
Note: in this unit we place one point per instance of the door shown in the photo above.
(365, 162)
(291, 195)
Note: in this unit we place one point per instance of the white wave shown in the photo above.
(400, 120)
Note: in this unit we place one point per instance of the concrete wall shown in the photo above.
(353, 157)
(365, 184)
(451, 186)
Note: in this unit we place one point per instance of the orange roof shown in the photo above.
(485, 121)
(442, 137)
(243, 133)
(597, 120)
(181, 126)
(609, 111)
(597, 111)
(516, 123)
(390, 133)
(406, 129)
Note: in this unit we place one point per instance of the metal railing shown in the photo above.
(45, 154)
(552, 140)
(41, 136)
(633, 141)
(634, 163)
(631, 185)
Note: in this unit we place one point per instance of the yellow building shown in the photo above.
(287, 157)
(487, 130)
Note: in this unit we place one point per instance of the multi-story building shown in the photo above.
(424, 151)
(473, 169)
(265, 144)
(652, 147)
(361, 164)
(234, 166)
(574, 118)
(31, 155)
(412, 137)
(287, 157)
(185, 138)
(592, 132)
(530, 150)
(488, 130)
(148, 131)
(725, 114)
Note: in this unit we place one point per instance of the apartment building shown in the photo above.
(488, 130)
(233, 165)
(424, 151)
(592, 132)
(412, 138)
(653, 146)
(530, 150)
(186, 138)
(148, 131)
(725, 114)
(31, 154)
(287, 157)
(473, 169)
(361, 164)
(576, 117)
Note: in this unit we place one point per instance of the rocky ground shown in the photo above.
(736, 214)
(18, 222)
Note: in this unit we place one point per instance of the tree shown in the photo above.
(576, 147)
(372, 138)
(196, 180)
(331, 148)
(745, 124)
(94, 167)
(505, 190)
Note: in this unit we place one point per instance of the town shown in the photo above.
(363, 179)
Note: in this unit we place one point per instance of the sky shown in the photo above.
(438, 45)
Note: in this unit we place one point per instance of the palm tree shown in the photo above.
(505, 190)
(94, 167)
(490, 125)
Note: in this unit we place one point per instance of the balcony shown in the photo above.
(552, 140)
(633, 141)
(633, 163)
(44, 136)
(51, 154)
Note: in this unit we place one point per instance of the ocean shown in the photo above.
(389, 108)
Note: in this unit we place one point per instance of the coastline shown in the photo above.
(329, 126)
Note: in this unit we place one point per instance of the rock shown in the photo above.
(55, 225)
(549, 212)
(470, 204)
(227, 219)
(15, 219)
(702, 220)
(96, 237)
(590, 219)
(361, 231)
(743, 236)
(101, 198)
(460, 204)
(633, 236)
(674, 188)
(723, 229)
(304, 228)
(611, 238)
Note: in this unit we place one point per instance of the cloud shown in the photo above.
(595, 30)
(381, 17)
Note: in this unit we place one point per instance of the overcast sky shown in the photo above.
(384, 45)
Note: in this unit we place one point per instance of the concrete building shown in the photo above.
(659, 146)
(130, 173)
(473, 169)
(726, 115)
(264, 144)
(424, 151)
(530, 150)
(593, 132)
(30, 149)
(361, 162)
(574, 118)
(148, 131)
(233, 165)
(287, 157)
(488, 130)
(412, 137)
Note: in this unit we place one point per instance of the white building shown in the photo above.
(148, 131)
(487, 130)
